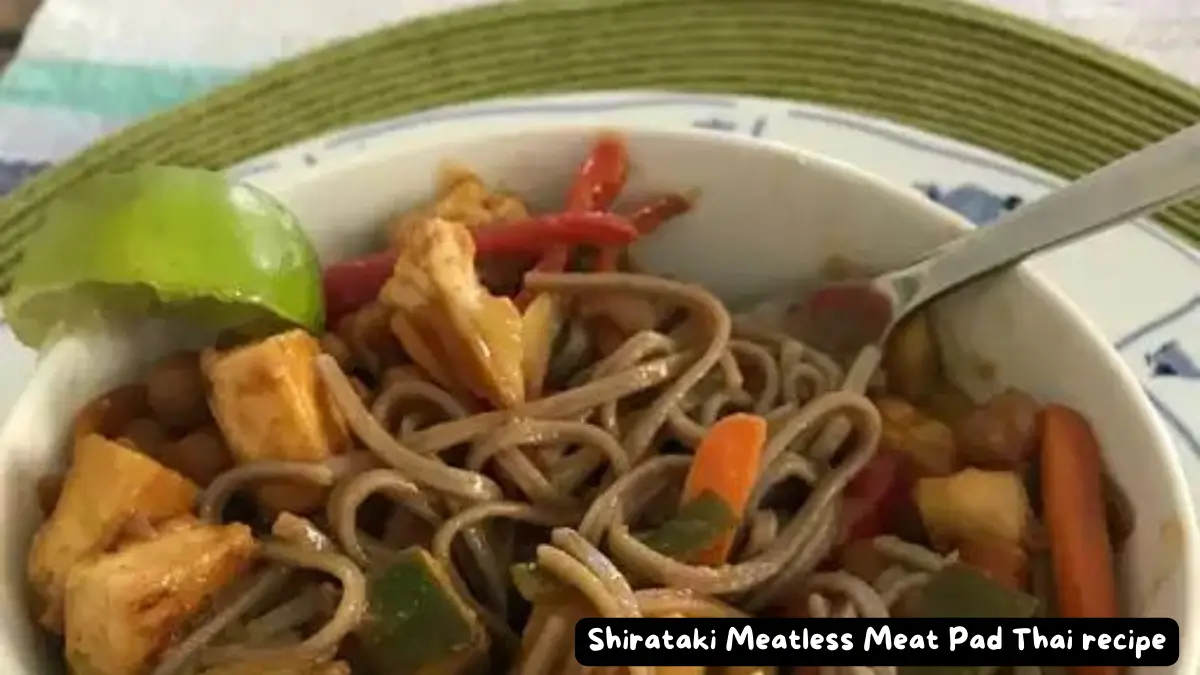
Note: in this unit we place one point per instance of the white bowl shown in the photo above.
(768, 219)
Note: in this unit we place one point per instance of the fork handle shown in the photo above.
(1144, 181)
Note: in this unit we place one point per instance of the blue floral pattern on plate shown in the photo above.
(977, 204)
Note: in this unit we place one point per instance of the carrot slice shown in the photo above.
(727, 464)
(1073, 502)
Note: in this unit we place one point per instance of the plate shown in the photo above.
(1138, 283)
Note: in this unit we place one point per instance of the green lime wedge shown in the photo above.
(158, 239)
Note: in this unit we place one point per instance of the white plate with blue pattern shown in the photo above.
(1139, 284)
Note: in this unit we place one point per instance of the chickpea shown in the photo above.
(201, 455)
(145, 435)
(177, 393)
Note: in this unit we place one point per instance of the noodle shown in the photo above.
(350, 611)
(343, 505)
(445, 536)
(436, 475)
(213, 500)
(638, 439)
(176, 659)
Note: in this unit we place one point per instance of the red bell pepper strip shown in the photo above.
(645, 219)
(601, 176)
(649, 217)
(597, 184)
(874, 495)
(546, 233)
(353, 283)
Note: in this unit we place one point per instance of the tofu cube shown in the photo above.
(106, 485)
(121, 610)
(270, 404)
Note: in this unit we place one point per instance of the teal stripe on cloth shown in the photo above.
(106, 89)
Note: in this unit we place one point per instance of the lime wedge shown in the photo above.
(158, 239)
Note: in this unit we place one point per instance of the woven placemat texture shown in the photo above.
(960, 70)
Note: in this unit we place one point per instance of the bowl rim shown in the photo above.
(383, 146)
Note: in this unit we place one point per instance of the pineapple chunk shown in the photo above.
(270, 404)
(928, 443)
(106, 485)
(122, 609)
(974, 504)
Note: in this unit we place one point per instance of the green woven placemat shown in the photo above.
(960, 70)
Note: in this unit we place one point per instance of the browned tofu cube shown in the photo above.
(122, 609)
(106, 485)
(270, 404)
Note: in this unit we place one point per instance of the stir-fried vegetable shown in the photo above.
(910, 358)
(462, 335)
(353, 283)
(123, 608)
(271, 405)
(1000, 560)
(600, 179)
(106, 485)
(726, 464)
(462, 197)
(1073, 499)
(540, 326)
(536, 586)
(699, 528)
(417, 622)
(972, 504)
(537, 234)
(962, 592)
(645, 219)
(875, 496)
(927, 443)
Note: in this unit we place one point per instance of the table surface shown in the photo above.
(1165, 33)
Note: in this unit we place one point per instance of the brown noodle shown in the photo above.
(585, 465)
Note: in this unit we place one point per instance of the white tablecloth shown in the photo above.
(90, 66)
